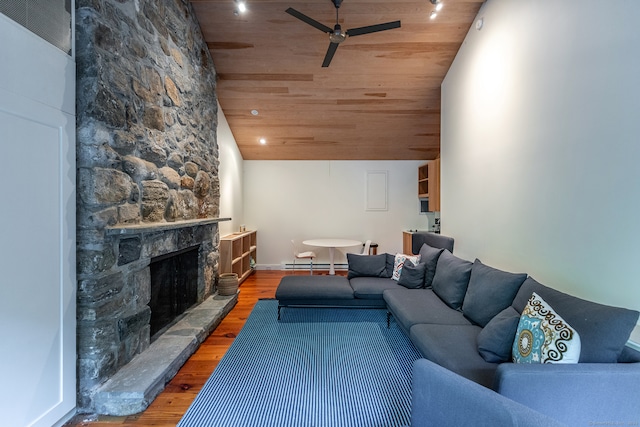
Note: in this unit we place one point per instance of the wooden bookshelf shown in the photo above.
(236, 252)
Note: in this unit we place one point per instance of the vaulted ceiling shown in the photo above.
(378, 100)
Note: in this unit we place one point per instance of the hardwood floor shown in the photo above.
(173, 402)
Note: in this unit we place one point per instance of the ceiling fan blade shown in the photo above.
(329, 56)
(310, 21)
(373, 28)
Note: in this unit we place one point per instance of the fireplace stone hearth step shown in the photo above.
(134, 387)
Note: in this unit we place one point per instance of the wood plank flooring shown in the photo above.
(173, 402)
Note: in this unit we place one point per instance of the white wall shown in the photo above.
(540, 145)
(230, 173)
(301, 200)
(37, 229)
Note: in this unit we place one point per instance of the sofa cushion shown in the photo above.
(489, 292)
(454, 347)
(371, 287)
(412, 306)
(451, 279)
(314, 288)
(399, 262)
(366, 265)
(495, 341)
(604, 330)
(412, 276)
(543, 336)
(429, 256)
(391, 259)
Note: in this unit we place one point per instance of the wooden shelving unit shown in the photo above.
(429, 184)
(236, 252)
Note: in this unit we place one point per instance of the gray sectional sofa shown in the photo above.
(463, 316)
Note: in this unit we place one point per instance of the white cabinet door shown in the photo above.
(37, 232)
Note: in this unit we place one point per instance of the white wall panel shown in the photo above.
(540, 145)
(230, 172)
(301, 200)
(37, 225)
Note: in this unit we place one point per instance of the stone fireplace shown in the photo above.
(147, 178)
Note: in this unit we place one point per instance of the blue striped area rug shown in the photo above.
(316, 367)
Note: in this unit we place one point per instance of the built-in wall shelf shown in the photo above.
(160, 226)
(429, 184)
(236, 252)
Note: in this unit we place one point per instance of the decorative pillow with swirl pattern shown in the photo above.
(543, 336)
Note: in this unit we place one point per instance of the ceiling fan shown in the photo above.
(337, 36)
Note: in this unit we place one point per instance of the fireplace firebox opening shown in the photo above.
(174, 288)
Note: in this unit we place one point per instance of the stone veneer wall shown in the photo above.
(146, 154)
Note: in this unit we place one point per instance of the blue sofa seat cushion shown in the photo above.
(413, 306)
(454, 347)
(314, 288)
(604, 330)
(489, 292)
(371, 287)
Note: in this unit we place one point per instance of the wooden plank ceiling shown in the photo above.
(378, 100)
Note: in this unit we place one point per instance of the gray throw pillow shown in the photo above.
(495, 340)
(490, 291)
(451, 279)
(412, 276)
(391, 259)
(366, 265)
(429, 256)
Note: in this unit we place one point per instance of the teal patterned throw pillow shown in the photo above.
(543, 336)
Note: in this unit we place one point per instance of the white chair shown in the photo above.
(302, 255)
(367, 245)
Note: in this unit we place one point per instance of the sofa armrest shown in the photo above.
(577, 394)
(442, 398)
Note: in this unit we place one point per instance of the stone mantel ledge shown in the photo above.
(124, 230)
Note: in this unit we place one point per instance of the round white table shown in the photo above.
(332, 244)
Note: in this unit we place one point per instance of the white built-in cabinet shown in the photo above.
(37, 229)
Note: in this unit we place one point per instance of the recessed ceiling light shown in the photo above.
(242, 7)
(433, 14)
(254, 112)
(263, 141)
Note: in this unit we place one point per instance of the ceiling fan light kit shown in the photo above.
(241, 7)
(438, 6)
(336, 35)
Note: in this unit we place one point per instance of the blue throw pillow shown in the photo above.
(412, 276)
(366, 265)
(451, 279)
(391, 259)
(429, 256)
(495, 341)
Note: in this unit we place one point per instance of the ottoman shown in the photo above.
(319, 291)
